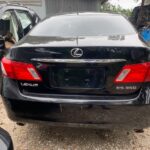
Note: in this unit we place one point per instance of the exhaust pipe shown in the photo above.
(20, 124)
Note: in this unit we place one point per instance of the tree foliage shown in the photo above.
(107, 7)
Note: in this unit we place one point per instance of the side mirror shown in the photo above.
(5, 140)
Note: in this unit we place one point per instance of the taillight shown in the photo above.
(19, 70)
(136, 73)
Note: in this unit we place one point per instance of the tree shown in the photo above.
(107, 7)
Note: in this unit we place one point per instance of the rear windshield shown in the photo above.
(73, 26)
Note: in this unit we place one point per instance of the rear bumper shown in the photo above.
(79, 115)
(133, 112)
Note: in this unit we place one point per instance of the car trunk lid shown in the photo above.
(93, 71)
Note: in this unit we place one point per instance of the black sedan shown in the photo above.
(79, 69)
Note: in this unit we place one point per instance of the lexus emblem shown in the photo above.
(76, 52)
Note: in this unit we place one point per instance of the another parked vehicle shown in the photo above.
(142, 22)
(5, 140)
(79, 69)
(15, 22)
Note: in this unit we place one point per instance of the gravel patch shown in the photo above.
(39, 137)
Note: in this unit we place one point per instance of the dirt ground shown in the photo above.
(39, 137)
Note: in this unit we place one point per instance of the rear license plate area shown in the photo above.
(77, 78)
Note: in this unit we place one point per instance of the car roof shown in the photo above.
(86, 14)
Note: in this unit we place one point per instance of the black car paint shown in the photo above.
(106, 114)
(109, 106)
(33, 49)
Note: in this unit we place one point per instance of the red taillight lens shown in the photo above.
(19, 70)
(136, 73)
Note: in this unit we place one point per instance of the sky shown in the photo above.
(126, 4)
